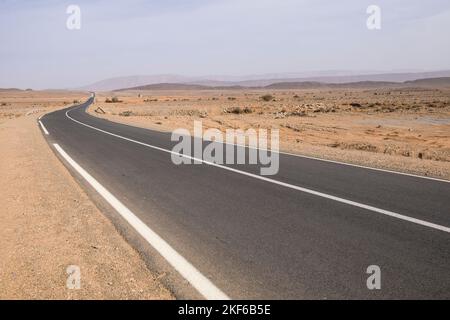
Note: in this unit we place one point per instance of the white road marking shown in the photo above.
(339, 162)
(287, 185)
(43, 127)
(184, 267)
(365, 167)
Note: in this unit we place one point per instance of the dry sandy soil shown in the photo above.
(401, 129)
(17, 103)
(49, 223)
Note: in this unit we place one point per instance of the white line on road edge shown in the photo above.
(284, 184)
(184, 267)
(43, 128)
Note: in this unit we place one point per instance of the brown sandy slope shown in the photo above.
(48, 223)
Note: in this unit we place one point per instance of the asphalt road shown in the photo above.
(256, 239)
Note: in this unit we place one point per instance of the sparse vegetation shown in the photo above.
(298, 113)
(126, 113)
(267, 97)
(113, 100)
(339, 119)
(238, 110)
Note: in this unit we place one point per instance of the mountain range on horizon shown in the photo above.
(419, 83)
(331, 77)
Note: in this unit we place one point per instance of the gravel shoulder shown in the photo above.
(48, 223)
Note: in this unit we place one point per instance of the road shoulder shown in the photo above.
(49, 223)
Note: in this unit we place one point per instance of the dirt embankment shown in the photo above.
(48, 223)
(404, 129)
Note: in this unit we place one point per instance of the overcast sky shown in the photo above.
(200, 37)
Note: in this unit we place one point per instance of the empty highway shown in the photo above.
(309, 232)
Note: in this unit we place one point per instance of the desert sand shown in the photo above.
(48, 222)
(402, 129)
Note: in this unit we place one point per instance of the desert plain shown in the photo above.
(402, 129)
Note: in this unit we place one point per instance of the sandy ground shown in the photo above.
(49, 223)
(18, 103)
(400, 129)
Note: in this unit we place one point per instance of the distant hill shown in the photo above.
(432, 82)
(336, 79)
(134, 81)
(259, 80)
(318, 85)
(168, 86)
(9, 89)
(180, 86)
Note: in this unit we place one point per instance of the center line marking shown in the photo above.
(178, 262)
(284, 184)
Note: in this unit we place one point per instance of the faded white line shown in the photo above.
(287, 185)
(178, 262)
(43, 127)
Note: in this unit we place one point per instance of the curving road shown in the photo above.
(309, 232)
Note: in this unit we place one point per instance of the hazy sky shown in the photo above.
(199, 37)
